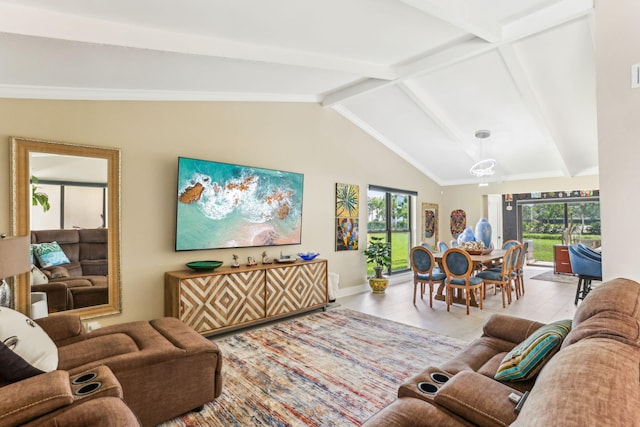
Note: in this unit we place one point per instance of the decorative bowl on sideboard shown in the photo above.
(308, 256)
(204, 266)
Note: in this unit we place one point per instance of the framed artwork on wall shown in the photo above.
(347, 213)
(347, 234)
(224, 205)
(458, 222)
(429, 224)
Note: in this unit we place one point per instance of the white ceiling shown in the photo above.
(420, 76)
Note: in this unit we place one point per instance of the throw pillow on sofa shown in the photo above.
(527, 358)
(26, 348)
(50, 254)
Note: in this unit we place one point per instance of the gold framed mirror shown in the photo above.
(73, 163)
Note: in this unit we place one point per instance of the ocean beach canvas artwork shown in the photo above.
(223, 205)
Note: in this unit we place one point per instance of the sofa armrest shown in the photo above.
(477, 398)
(58, 297)
(61, 326)
(411, 412)
(509, 328)
(102, 412)
(33, 397)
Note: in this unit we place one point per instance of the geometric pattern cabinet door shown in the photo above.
(290, 289)
(230, 298)
(212, 302)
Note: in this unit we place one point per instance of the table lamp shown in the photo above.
(14, 259)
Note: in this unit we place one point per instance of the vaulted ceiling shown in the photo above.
(420, 76)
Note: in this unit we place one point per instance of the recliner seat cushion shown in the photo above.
(95, 348)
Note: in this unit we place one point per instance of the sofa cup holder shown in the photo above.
(427, 388)
(439, 377)
(88, 388)
(84, 378)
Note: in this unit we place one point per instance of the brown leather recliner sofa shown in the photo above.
(160, 368)
(83, 282)
(56, 399)
(592, 380)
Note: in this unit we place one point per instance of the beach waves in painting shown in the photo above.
(223, 205)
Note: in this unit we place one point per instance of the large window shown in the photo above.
(73, 205)
(567, 222)
(389, 217)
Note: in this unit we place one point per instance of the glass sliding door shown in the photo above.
(555, 223)
(389, 217)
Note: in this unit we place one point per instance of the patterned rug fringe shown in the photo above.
(333, 368)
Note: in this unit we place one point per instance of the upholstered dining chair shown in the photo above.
(519, 270)
(442, 246)
(501, 278)
(509, 243)
(427, 246)
(458, 267)
(424, 273)
(453, 243)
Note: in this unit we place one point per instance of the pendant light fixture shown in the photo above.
(485, 167)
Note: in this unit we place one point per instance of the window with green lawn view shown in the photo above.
(389, 217)
(568, 222)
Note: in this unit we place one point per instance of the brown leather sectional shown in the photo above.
(150, 370)
(83, 282)
(591, 380)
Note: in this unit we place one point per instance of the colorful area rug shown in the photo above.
(333, 368)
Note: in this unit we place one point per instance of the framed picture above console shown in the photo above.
(223, 205)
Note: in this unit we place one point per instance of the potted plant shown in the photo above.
(378, 253)
(37, 196)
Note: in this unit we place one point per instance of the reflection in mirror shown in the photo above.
(68, 194)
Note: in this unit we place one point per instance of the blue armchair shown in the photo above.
(587, 264)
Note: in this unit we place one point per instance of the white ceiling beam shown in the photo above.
(552, 14)
(471, 17)
(532, 103)
(366, 127)
(431, 109)
(565, 11)
(31, 21)
(459, 52)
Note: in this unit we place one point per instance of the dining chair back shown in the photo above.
(519, 271)
(453, 243)
(509, 243)
(424, 272)
(442, 246)
(458, 268)
(427, 246)
(503, 277)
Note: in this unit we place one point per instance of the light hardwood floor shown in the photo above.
(543, 301)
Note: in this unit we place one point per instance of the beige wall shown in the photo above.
(617, 48)
(301, 138)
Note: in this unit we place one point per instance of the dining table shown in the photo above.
(478, 259)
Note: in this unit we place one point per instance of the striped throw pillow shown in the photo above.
(527, 358)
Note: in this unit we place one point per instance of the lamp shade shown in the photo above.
(14, 256)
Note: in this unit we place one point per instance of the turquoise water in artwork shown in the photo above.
(222, 205)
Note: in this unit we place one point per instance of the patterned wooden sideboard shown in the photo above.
(230, 298)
